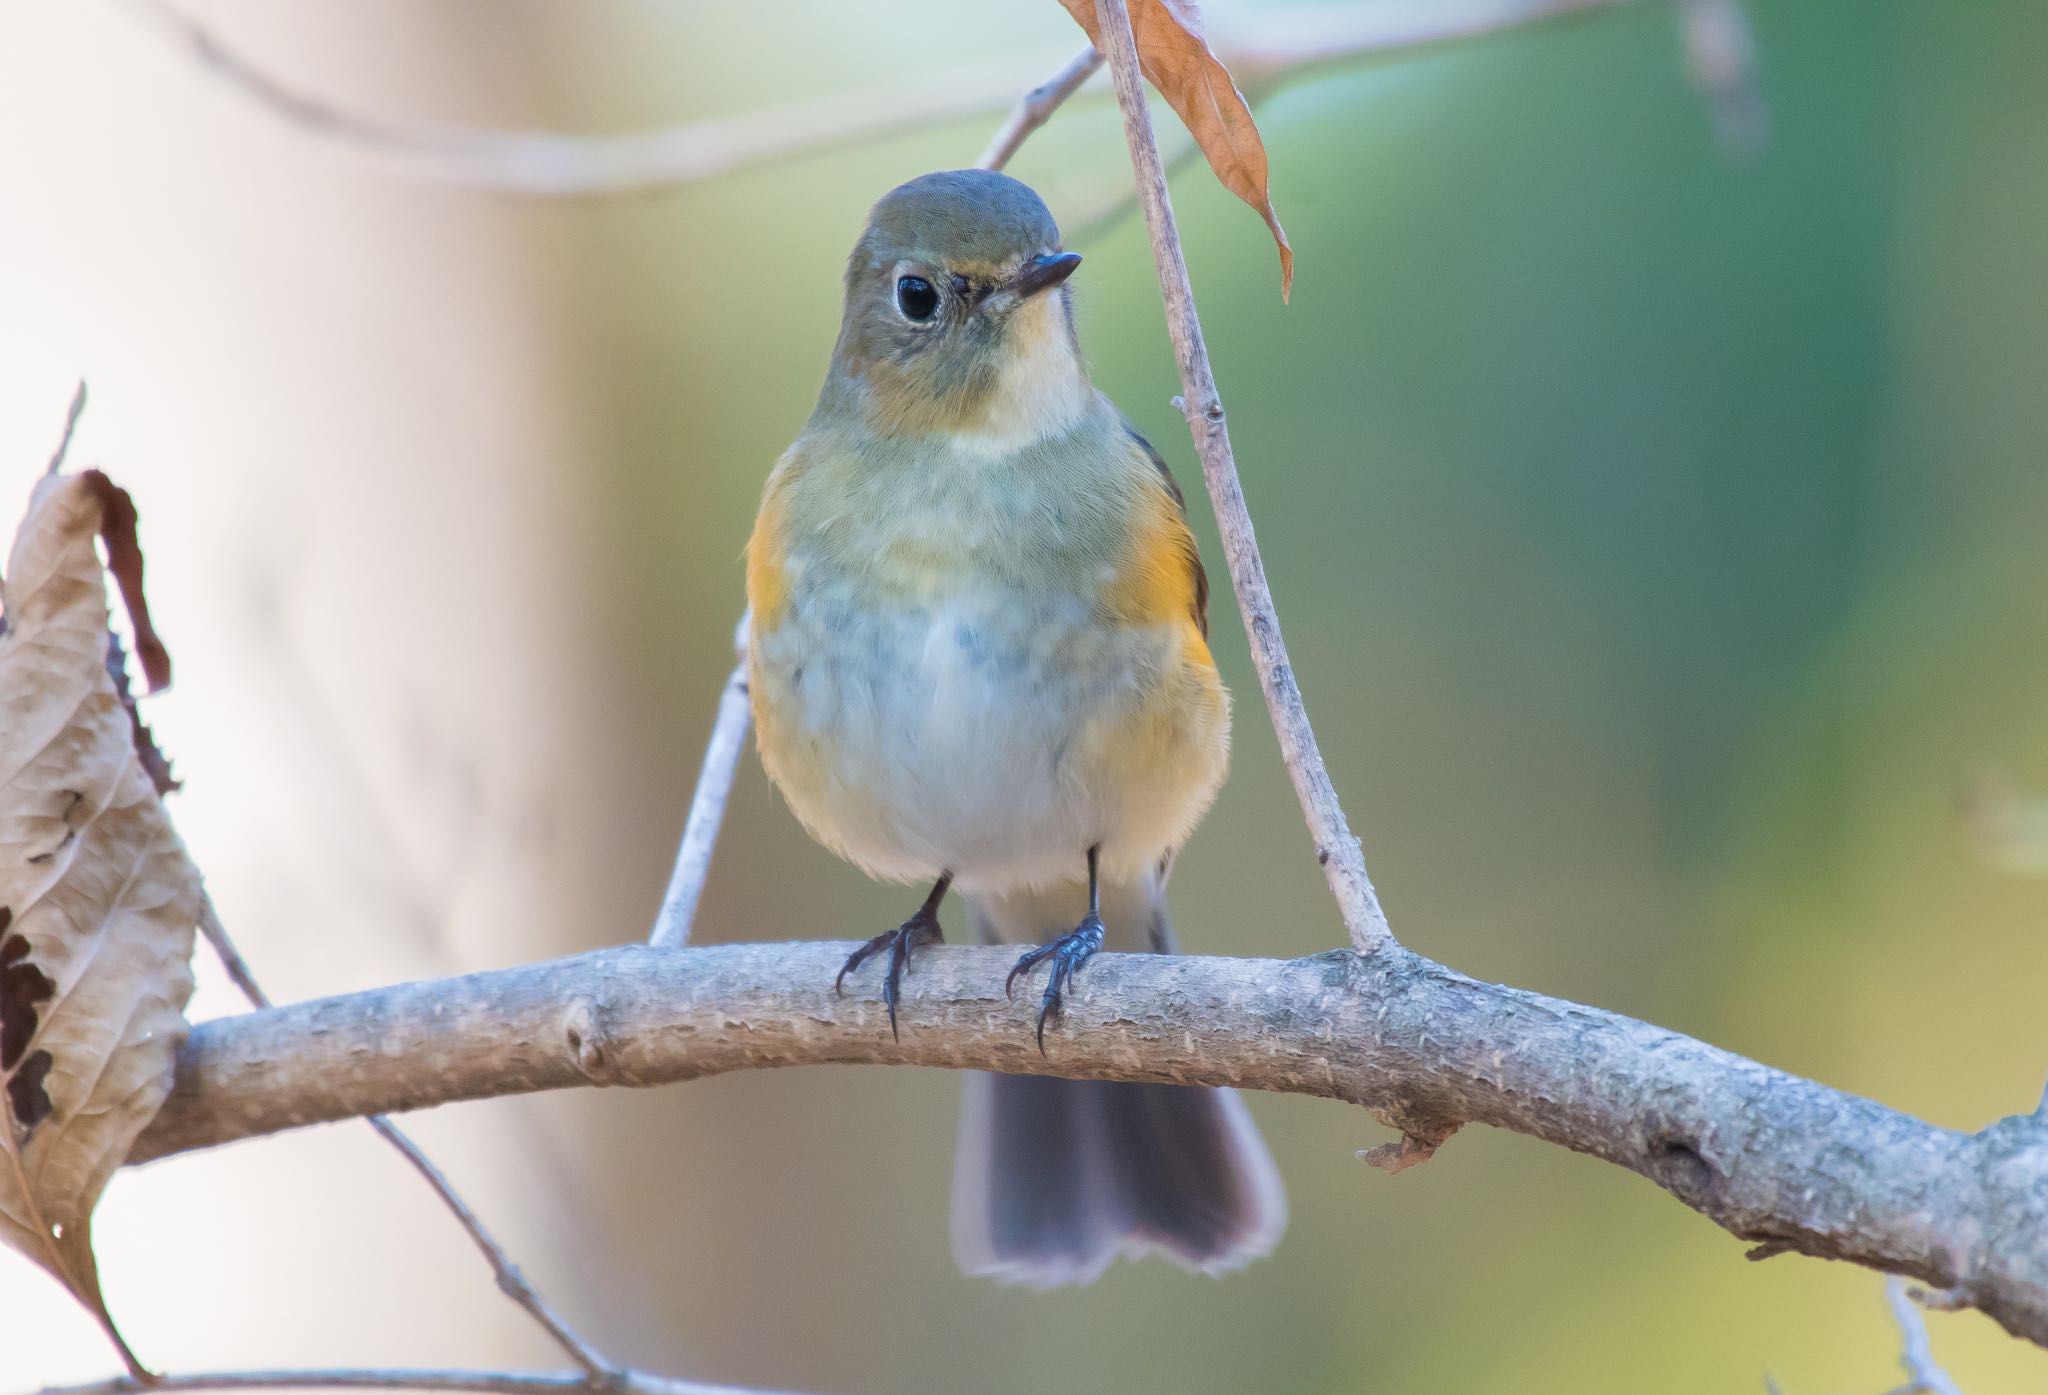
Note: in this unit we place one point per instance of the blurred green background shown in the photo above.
(1658, 529)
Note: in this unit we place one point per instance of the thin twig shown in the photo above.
(1290, 42)
(511, 1282)
(1339, 853)
(549, 164)
(408, 1378)
(1926, 1377)
(1036, 107)
(71, 417)
(1261, 48)
(230, 955)
(70, 427)
(707, 807)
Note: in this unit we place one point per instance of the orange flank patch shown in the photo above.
(767, 556)
(1160, 581)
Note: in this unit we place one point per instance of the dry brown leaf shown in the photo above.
(154, 762)
(98, 899)
(1177, 61)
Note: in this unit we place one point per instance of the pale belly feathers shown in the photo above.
(987, 734)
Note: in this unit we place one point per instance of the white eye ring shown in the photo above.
(915, 295)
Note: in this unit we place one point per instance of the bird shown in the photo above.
(980, 662)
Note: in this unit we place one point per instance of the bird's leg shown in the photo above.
(1068, 953)
(921, 929)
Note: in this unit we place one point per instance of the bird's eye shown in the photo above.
(916, 298)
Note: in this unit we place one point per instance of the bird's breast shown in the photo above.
(949, 675)
(980, 731)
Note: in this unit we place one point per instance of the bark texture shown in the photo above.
(1775, 1159)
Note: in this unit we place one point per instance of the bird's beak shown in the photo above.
(1042, 273)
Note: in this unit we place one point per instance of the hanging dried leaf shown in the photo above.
(1176, 60)
(97, 898)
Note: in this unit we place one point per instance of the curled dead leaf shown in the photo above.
(1176, 60)
(98, 899)
(154, 762)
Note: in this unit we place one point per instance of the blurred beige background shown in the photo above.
(1658, 534)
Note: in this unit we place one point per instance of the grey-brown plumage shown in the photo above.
(975, 218)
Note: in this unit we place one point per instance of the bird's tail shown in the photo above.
(1055, 1178)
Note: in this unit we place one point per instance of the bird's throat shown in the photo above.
(1040, 387)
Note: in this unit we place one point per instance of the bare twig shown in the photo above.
(1939, 1300)
(707, 807)
(1342, 859)
(1924, 1374)
(1298, 40)
(405, 1378)
(1768, 1156)
(1261, 48)
(230, 955)
(511, 1282)
(1405, 1152)
(552, 165)
(71, 417)
(1036, 107)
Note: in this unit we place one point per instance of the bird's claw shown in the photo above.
(919, 929)
(1068, 953)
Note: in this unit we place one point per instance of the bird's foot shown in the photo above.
(920, 929)
(1068, 953)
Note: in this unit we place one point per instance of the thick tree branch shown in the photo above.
(1772, 1158)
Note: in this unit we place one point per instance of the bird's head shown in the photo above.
(957, 316)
